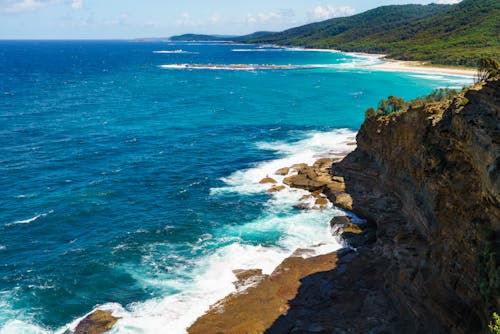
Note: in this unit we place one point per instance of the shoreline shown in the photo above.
(396, 65)
(391, 65)
(243, 309)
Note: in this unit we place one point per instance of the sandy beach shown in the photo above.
(416, 67)
(394, 65)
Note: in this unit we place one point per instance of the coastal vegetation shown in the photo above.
(494, 325)
(456, 34)
(395, 104)
(441, 34)
(488, 68)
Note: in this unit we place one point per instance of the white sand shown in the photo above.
(416, 67)
(392, 65)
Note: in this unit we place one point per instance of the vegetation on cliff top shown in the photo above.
(442, 34)
(395, 104)
(488, 68)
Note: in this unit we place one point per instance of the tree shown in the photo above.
(370, 112)
(487, 68)
(391, 105)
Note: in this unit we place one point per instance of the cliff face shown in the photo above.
(429, 180)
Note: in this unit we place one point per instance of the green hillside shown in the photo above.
(201, 38)
(206, 38)
(457, 34)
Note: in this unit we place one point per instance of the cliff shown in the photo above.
(435, 198)
(428, 181)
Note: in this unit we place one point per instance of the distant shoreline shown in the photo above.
(395, 65)
(417, 67)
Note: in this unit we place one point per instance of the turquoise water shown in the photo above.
(133, 187)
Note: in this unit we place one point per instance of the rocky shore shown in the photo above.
(426, 260)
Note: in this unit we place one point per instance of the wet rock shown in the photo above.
(302, 206)
(352, 234)
(282, 171)
(302, 181)
(255, 310)
(322, 165)
(298, 167)
(96, 323)
(343, 200)
(246, 277)
(303, 252)
(321, 203)
(276, 189)
(306, 197)
(268, 179)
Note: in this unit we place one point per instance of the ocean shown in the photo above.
(129, 181)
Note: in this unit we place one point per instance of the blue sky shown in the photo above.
(101, 19)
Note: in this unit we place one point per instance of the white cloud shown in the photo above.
(77, 4)
(20, 6)
(185, 20)
(328, 12)
(448, 2)
(282, 16)
(9, 6)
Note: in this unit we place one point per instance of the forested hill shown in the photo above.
(223, 38)
(457, 34)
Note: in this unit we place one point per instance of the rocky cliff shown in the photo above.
(428, 181)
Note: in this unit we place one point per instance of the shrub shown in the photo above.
(370, 112)
(494, 325)
(487, 68)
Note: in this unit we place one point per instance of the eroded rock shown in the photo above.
(282, 171)
(267, 180)
(276, 189)
(97, 322)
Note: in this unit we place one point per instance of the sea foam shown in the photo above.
(209, 278)
(29, 220)
(174, 52)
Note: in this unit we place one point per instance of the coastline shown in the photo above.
(392, 65)
(375, 284)
(396, 65)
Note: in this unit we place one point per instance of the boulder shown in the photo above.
(276, 189)
(302, 206)
(298, 167)
(343, 200)
(321, 203)
(282, 171)
(268, 179)
(97, 322)
(303, 182)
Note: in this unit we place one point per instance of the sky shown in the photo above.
(125, 19)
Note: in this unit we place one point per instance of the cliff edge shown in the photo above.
(428, 180)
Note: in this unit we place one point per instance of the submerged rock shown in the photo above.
(97, 322)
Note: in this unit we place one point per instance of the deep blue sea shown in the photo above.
(133, 186)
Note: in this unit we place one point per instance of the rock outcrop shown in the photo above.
(97, 322)
(429, 180)
(426, 261)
